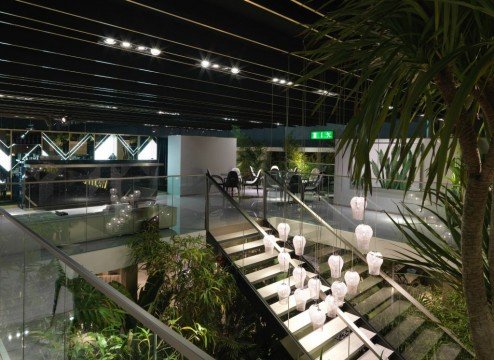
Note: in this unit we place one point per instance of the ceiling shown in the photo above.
(55, 63)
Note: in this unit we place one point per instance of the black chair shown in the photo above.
(254, 182)
(314, 186)
(231, 182)
(295, 184)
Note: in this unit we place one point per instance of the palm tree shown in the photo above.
(423, 66)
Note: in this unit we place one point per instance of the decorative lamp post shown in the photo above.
(363, 233)
(299, 244)
(283, 293)
(283, 231)
(299, 275)
(268, 241)
(374, 260)
(317, 317)
(314, 286)
(339, 290)
(301, 297)
(358, 205)
(352, 279)
(332, 306)
(284, 260)
(335, 263)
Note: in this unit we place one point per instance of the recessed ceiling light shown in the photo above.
(421, 115)
(289, 83)
(141, 48)
(126, 44)
(64, 119)
(155, 51)
(110, 41)
(390, 107)
(275, 80)
(216, 66)
(235, 70)
(205, 63)
(282, 81)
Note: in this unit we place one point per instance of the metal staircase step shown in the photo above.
(271, 290)
(255, 259)
(422, 344)
(347, 347)
(302, 320)
(373, 301)
(448, 351)
(366, 284)
(389, 314)
(238, 234)
(317, 338)
(243, 247)
(404, 330)
(266, 273)
(281, 309)
(360, 268)
(383, 352)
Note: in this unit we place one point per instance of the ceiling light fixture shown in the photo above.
(205, 63)
(141, 48)
(289, 83)
(63, 119)
(216, 66)
(235, 70)
(275, 80)
(390, 107)
(282, 81)
(110, 41)
(126, 44)
(155, 51)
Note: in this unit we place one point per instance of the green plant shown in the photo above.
(249, 152)
(295, 157)
(391, 172)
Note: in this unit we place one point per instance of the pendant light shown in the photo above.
(339, 290)
(299, 244)
(283, 293)
(352, 279)
(363, 233)
(314, 286)
(317, 317)
(335, 263)
(299, 275)
(284, 260)
(358, 205)
(301, 297)
(331, 306)
(283, 231)
(374, 260)
(269, 241)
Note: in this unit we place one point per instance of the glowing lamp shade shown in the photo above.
(339, 290)
(352, 279)
(331, 306)
(314, 286)
(358, 204)
(137, 194)
(374, 260)
(301, 297)
(124, 199)
(113, 191)
(283, 231)
(363, 234)
(335, 263)
(284, 260)
(268, 241)
(299, 275)
(317, 317)
(283, 293)
(113, 198)
(299, 244)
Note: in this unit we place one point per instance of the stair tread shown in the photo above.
(347, 347)
(302, 320)
(272, 289)
(422, 344)
(366, 284)
(374, 300)
(448, 351)
(317, 338)
(238, 234)
(266, 273)
(402, 332)
(385, 317)
(281, 309)
(381, 350)
(258, 258)
(242, 247)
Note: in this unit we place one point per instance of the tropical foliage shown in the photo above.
(391, 168)
(249, 153)
(423, 67)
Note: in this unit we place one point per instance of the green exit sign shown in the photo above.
(322, 135)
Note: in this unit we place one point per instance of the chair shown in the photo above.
(295, 184)
(254, 182)
(315, 185)
(313, 175)
(274, 168)
(237, 170)
(232, 181)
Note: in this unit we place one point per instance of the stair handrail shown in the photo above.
(357, 252)
(172, 338)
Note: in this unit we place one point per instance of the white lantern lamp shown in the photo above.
(317, 317)
(374, 260)
(358, 205)
(299, 244)
(299, 275)
(339, 290)
(269, 241)
(113, 191)
(335, 263)
(352, 279)
(283, 293)
(331, 306)
(314, 286)
(363, 234)
(284, 260)
(301, 297)
(283, 231)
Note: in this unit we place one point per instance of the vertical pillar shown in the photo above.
(128, 277)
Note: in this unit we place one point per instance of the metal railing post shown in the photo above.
(206, 214)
